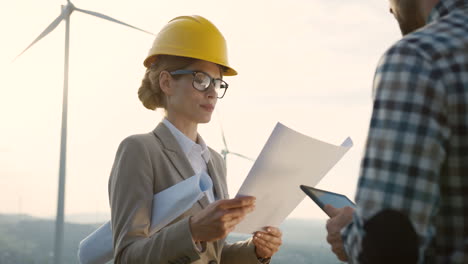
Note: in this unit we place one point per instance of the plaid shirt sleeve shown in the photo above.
(405, 147)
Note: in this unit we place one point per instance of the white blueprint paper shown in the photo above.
(167, 205)
(287, 160)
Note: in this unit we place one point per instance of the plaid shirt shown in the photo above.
(416, 156)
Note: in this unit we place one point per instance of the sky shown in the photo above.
(306, 63)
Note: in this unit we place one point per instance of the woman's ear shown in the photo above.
(165, 79)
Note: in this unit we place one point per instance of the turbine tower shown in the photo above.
(65, 14)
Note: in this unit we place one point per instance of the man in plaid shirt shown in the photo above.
(416, 157)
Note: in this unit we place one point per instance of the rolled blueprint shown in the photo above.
(167, 206)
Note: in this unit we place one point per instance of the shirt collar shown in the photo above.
(205, 152)
(444, 7)
(186, 143)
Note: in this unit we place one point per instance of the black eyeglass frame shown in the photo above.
(212, 81)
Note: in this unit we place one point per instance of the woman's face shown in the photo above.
(185, 103)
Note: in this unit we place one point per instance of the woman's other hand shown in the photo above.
(267, 243)
(218, 219)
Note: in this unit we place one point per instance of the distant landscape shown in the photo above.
(29, 240)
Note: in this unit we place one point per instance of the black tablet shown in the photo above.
(321, 197)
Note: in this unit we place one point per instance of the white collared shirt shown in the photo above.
(198, 156)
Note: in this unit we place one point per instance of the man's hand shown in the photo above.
(339, 218)
(218, 219)
(267, 243)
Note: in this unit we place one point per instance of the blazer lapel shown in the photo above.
(218, 189)
(174, 151)
(177, 157)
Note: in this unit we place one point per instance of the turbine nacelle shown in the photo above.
(67, 9)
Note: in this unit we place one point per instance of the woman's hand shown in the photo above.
(218, 219)
(267, 243)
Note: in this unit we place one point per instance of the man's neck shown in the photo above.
(427, 6)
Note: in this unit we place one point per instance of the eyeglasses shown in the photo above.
(202, 81)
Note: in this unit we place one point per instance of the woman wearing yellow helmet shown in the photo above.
(184, 74)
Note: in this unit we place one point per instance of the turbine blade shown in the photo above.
(242, 156)
(96, 14)
(44, 33)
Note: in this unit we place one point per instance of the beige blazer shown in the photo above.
(145, 165)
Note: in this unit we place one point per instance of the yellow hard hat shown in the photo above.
(194, 37)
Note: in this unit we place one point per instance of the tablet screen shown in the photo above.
(322, 197)
(337, 200)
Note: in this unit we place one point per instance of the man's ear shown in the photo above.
(165, 80)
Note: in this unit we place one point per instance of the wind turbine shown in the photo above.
(225, 151)
(65, 14)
